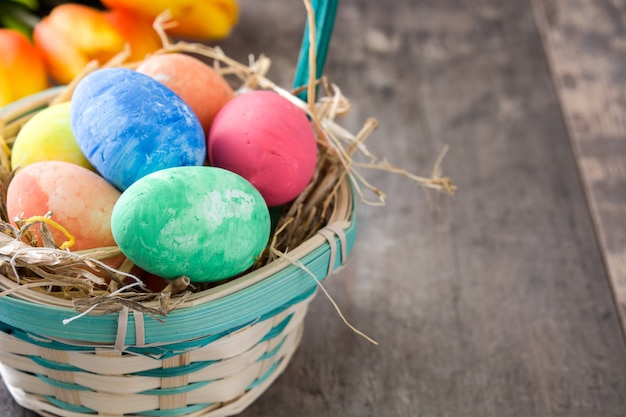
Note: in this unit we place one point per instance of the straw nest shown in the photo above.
(30, 268)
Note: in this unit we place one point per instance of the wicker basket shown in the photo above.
(212, 356)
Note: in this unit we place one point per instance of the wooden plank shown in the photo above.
(494, 303)
(585, 41)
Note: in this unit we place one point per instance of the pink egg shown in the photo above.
(268, 140)
(81, 201)
(199, 85)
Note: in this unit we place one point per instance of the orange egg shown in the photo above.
(197, 83)
(81, 201)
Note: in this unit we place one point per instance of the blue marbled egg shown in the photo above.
(129, 125)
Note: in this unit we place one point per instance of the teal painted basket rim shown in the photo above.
(270, 295)
(218, 314)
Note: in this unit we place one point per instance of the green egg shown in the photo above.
(203, 222)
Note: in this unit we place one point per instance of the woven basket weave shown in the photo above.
(212, 356)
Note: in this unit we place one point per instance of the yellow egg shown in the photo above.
(48, 136)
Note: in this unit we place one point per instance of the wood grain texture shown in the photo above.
(494, 303)
(586, 45)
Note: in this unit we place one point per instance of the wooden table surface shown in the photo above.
(508, 299)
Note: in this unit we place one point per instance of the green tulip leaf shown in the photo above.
(9, 22)
(30, 4)
(18, 17)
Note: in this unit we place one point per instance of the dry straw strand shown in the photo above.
(326, 293)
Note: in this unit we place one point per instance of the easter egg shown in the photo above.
(129, 125)
(268, 140)
(202, 222)
(198, 84)
(47, 136)
(81, 201)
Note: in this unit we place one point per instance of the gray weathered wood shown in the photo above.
(493, 303)
(586, 46)
(496, 303)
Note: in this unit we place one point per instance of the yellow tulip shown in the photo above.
(199, 19)
(22, 71)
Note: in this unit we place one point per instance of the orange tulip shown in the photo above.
(72, 35)
(22, 71)
(200, 19)
(136, 30)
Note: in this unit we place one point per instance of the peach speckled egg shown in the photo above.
(48, 136)
(198, 84)
(81, 201)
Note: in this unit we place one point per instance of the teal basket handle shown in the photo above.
(325, 12)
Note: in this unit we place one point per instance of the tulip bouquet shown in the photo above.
(44, 43)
